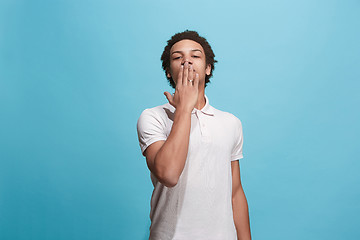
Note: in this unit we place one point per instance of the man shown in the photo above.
(192, 151)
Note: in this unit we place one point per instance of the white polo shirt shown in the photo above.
(199, 207)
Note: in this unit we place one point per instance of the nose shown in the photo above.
(186, 59)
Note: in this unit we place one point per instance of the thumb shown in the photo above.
(169, 97)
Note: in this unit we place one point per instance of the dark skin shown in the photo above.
(166, 159)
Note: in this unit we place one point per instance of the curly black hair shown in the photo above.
(191, 35)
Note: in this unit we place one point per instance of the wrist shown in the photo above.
(183, 111)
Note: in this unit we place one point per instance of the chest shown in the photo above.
(209, 134)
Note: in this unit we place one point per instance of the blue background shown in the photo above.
(76, 75)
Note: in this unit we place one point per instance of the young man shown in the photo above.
(192, 151)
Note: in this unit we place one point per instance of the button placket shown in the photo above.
(203, 128)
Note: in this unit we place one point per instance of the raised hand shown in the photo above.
(186, 91)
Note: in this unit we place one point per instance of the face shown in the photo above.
(192, 52)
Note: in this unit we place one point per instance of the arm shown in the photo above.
(240, 206)
(166, 159)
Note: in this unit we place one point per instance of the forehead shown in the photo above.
(186, 45)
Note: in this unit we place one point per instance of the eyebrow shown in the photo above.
(193, 50)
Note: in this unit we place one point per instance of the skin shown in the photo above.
(239, 204)
(190, 54)
(166, 159)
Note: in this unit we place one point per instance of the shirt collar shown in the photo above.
(207, 109)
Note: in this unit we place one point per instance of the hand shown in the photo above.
(186, 91)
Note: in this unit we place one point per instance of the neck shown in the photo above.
(201, 99)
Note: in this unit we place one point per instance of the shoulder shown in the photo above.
(158, 114)
(227, 117)
(156, 111)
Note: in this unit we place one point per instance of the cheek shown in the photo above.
(175, 68)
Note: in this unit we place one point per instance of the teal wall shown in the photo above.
(75, 76)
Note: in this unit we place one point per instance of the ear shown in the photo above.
(208, 69)
(168, 73)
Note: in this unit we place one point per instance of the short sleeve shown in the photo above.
(238, 145)
(150, 129)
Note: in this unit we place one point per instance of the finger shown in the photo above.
(180, 76)
(191, 74)
(186, 73)
(169, 97)
(196, 81)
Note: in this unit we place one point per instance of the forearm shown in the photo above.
(170, 159)
(241, 216)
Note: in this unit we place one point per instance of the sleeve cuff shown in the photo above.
(237, 157)
(147, 144)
